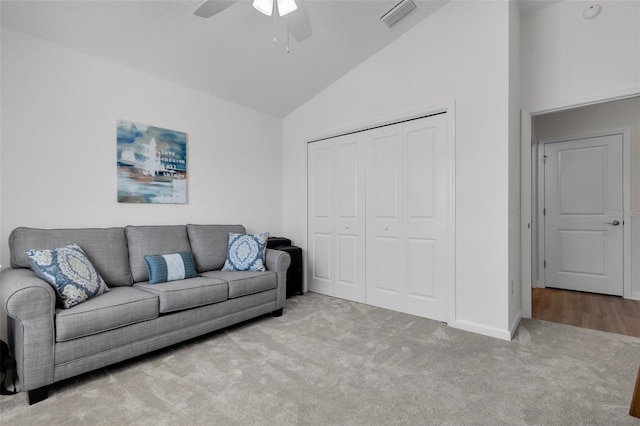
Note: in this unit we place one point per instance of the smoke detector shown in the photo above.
(592, 11)
(398, 12)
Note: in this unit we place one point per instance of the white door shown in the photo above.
(320, 239)
(385, 261)
(349, 217)
(583, 183)
(408, 258)
(336, 217)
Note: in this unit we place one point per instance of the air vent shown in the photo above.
(398, 12)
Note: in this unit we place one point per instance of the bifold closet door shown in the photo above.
(407, 229)
(378, 217)
(336, 217)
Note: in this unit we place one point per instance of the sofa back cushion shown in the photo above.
(106, 249)
(209, 244)
(150, 240)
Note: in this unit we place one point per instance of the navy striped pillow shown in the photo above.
(170, 267)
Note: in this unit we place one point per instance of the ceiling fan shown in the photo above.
(297, 17)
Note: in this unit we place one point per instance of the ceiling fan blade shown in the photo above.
(211, 7)
(299, 23)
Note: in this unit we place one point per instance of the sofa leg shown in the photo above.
(38, 395)
(277, 313)
(634, 409)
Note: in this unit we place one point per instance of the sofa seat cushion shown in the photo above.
(119, 307)
(242, 283)
(189, 293)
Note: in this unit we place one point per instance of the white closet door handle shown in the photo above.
(346, 227)
(386, 228)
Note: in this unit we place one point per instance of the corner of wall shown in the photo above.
(498, 333)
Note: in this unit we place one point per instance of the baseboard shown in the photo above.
(635, 296)
(498, 333)
(515, 324)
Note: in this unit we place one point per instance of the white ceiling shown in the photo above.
(230, 55)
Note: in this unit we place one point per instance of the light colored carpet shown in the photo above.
(328, 361)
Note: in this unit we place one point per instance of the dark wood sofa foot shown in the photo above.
(38, 395)
(634, 410)
(277, 313)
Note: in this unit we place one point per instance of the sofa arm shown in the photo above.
(29, 303)
(279, 261)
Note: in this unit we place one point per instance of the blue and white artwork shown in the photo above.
(152, 164)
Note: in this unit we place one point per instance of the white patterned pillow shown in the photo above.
(246, 252)
(69, 272)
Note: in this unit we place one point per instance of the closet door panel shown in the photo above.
(385, 251)
(349, 218)
(320, 275)
(426, 216)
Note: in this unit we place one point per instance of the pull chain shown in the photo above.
(275, 24)
(288, 34)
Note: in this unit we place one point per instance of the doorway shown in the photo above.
(564, 124)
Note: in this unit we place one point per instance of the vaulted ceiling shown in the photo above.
(230, 55)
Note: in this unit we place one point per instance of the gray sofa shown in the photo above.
(52, 344)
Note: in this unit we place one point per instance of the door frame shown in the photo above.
(447, 107)
(527, 178)
(626, 202)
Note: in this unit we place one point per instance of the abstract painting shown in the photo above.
(152, 164)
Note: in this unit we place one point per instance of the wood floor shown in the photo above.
(596, 311)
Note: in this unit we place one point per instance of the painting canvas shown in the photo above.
(152, 164)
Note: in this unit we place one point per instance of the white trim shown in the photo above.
(534, 220)
(305, 219)
(635, 296)
(384, 121)
(498, 333)
(514, 325)
(447, 107)
(577, 103)
(540, 273)
(526, 222)
(525, 182)
(626, 195)
(451, 117)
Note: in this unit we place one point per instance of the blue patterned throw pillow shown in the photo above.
(170, 267)
(69, 272)
(246, 252)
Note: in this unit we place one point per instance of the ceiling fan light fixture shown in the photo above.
(285, 7)
(264, 6)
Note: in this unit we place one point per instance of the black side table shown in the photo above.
(294, 273)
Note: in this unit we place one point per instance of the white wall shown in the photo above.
(515, 281)
(597, 118)
(58, 169)
(566, 58)
(459, 53)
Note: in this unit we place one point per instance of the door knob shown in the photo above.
(346, 227)
(614, 223)
(386, 228)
